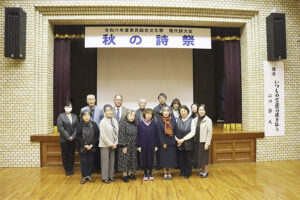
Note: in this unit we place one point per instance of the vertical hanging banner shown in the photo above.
(147, 37)
(274, 98)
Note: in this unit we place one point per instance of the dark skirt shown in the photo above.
(201, 155)
(128, 161)
(168, 157)
(147, 156)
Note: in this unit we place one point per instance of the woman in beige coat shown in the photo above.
(201, 130)
(108, 143)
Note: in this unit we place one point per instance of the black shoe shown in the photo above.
(112, 179)
(131, 176)
(83, 180)
(126, 179)
(106, 181)
(181, 174)
(90, 179)
(186, 176)
(68, 174)
(71, 173)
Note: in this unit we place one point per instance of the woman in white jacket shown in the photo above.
(108, 143)
(201, 130)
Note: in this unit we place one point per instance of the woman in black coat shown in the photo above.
(166, 128)
(87, 136)
(66, 124)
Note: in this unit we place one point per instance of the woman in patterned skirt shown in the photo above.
(127, 155)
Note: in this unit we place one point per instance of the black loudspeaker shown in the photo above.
(15, 33)
(276, 36)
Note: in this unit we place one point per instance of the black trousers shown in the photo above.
(87, 163)
(185, 162)
(97, 161)
(67, 154)
(147, 170)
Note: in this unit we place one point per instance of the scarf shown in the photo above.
(113, 126)
(147, 122)
(197, 135)
(168, 127)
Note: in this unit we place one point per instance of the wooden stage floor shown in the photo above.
(266, 180)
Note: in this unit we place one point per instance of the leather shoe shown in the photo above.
(131, 176)
(112, 179)
(106, 181)
(126, 179)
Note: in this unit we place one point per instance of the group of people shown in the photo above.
(119, 139)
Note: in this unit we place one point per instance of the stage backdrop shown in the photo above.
(137, 73)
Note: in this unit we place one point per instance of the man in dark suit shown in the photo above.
(119, 111)
(66, 124)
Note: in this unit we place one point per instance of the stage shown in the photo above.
(266, 180)
(232, 146)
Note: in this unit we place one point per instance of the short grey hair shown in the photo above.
(90, 96)
(166, 108)
(129, 112)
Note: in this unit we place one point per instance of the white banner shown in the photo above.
(274, 98)
(147, 37)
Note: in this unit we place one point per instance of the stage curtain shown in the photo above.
(217, 77)
(204, 80)
(233, 97)
(61, 75)
(83, 73)
(218, 48)
(208, 72)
